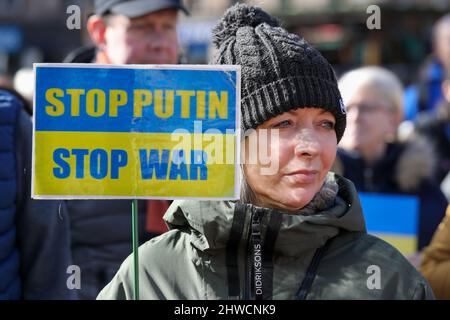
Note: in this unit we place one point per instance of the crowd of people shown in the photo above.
(338, 136)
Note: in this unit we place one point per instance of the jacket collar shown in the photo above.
(211, 221)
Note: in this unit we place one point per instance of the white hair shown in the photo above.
(24, 83)
(383, 81)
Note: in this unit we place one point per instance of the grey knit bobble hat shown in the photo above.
(280, 71)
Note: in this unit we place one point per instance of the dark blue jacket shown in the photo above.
(400, 163)
(34, 235)
(436, 129)
(425, 95)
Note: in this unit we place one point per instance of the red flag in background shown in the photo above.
(155, 213)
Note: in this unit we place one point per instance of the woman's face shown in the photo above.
(303, 154)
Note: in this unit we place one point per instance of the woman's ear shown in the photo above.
(96, 27)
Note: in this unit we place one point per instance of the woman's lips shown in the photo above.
(302, 176)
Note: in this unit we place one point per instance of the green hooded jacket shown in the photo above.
(228, 250)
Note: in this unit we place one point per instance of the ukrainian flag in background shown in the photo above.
(393, 218)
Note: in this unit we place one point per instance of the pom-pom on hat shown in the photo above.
(280, 71)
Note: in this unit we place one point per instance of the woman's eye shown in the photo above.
(283, 124)
(327, 124)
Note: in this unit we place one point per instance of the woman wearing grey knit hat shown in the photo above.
(296, 233)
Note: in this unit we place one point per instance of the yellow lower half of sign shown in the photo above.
(407, 245)
(162, 165)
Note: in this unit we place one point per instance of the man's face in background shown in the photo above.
(149, 39)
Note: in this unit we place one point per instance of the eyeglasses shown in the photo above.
(368, 108)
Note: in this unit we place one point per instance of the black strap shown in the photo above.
(269, 245)
(312, 271)
(232, 249)
(257, 250)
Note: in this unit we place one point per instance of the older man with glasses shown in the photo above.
(372, 156)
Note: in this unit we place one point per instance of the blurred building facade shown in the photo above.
(36, 30)
(338, 28)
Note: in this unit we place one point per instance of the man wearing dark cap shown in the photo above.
(124, 32)
(132, 32)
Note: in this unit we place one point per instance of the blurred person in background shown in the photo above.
(436, 129)
(436, 260)
(425, 95)
(372, 158)
(124, 32)
(34, 235)
(132, 32)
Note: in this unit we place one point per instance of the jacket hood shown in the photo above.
(213, 221)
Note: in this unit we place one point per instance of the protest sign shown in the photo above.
(161, 132)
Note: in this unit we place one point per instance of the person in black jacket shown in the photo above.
(372, 157)
(436, 129)
(34, 235)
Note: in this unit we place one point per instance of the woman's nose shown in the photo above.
(307, 146)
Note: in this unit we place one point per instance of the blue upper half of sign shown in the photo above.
(389, 213)
(106, 79)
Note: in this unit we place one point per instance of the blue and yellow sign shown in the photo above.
(161, 132)
(394, 218)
